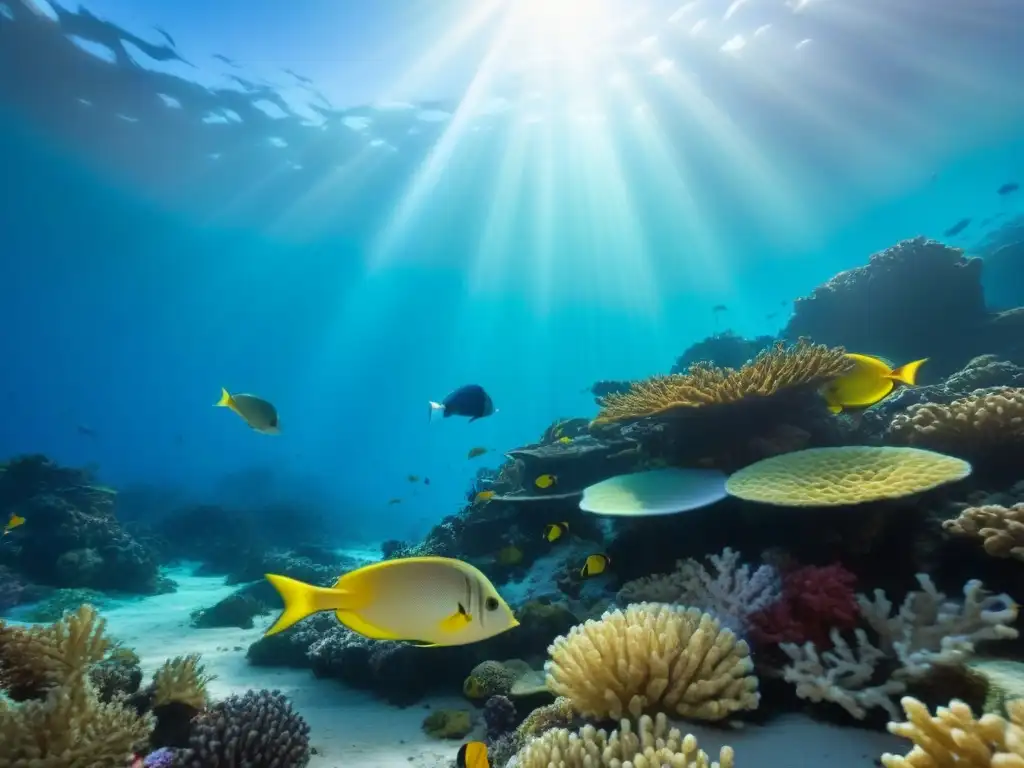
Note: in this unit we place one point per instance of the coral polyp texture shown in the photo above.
(954, 737)
(844, 475)
(1001, 529)
(651, 745)
(181, 680)
(781, 368)
(985, 419)
(653, 658)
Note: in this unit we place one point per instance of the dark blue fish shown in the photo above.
(1008, 188)
(470, 401)
(957, 228)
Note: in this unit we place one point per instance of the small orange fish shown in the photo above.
(477, 451)
(13, 523)
(483, 496)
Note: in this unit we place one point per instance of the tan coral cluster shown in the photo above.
(953, 737)
(69, 726)
(1001, 529)
(985, 418)
(181, 680)
(652, 745)
(652, 657)
(770, 373)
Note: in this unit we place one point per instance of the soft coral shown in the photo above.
(814, 600)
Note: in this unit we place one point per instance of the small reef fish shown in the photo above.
(957, 228)
(85, 430)
(595, 566)
(477, 451)
(545, 481)
(426, 481)
(870, 381)
(554, 531)
(394, 501)
(510, 555)
(413, 478)
(14, 521)
(1008, 188)
(565, 440)
(472, 755)
(255, 411)
(483, 496)
(470, 401)
(433, 601)
(719, 308)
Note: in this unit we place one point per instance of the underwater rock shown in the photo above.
(601, 389)
(290, 648)
(448, 723)
(60, 601)
(500, 717)
(235, 610)
(583, 461)
(724, 350)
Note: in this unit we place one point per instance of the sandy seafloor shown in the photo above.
(353, 729)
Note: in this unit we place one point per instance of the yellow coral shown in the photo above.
(803, 365)
(181, 680)
(1001, 529)
(653, 657)
(954, 737)
(652, 745)
(985, 419)
(34, 659)
(832, 477)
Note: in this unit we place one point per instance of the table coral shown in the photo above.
(1000, 528)
(814, 601)
(801, 366)
(844, 475)
(652, 657)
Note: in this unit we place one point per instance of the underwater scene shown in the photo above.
(527, 383)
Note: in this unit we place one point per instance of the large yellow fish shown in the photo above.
(434, 601)
(870, 380)
(255, 411)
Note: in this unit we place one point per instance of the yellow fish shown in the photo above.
(555, 531)
(472, 755)
(510, 555)
(545, 481)
(565, 440)
(13, 523)
(595, 566)
(434, 601)
(483, 496)
(477, 451)
(868, 382)
(256, 412)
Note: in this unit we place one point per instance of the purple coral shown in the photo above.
(162, 758)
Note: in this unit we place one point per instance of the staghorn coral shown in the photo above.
(781, 368)
(925, 631)
(652, 657)
(1000, 528)
(258, 728)
(181, 680)
(729, 591)
(652, 744)
(955, 737)
(985, 420)
(845, 475)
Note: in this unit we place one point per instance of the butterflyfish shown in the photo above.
(565, 440)
(554, 531)
(870, 381)
(510, 555)
(595, 566)
(432, 601)
(472, 755)
(255, 411)
(12, 523)
(483, 496)
(545, 481)
(470, 401)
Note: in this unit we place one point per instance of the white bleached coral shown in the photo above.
(927, 629)
(729, 590)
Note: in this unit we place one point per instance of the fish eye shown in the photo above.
(491, 604)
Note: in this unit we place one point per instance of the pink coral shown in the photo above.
(814, 601)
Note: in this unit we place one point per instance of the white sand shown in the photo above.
(353, 729)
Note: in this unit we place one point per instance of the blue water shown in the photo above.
(531, 257)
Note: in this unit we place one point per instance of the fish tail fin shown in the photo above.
(225, 399)
(302, 600)
(907, 374)
(437, 411)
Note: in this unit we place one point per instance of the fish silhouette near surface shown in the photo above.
(470, 401)
(1008, 188)
(432, 601)
(957, 228)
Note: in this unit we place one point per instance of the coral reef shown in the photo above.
(500, 717)
(814, 601)
(448, 723)
(653, 657)
(725, 350)
(1001, 529)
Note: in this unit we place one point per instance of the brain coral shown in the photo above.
(834, 477)
(653, 657)
(987, 418)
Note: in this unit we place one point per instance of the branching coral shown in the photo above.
(814, 601)
(729, 591)
(181, 680)
(802, 365)
(954, 737)
(987, 419)
(1001, 529)
(651, 745)
(927, 629)
(653, 657)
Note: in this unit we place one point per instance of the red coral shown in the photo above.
(814, 600)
